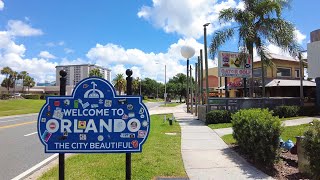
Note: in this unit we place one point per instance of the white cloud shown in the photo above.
(66, 61)
(144, 64)
(185, 17)
(300, 37)
(68, 51)
(19, 28)
(46, 55)
(1, 5)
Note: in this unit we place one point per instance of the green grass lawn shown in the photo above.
(20, 106)
(153, 100)
(161, 156)
(170, 105)
(290, 132)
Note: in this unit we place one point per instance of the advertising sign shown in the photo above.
(230, 65)
(93, 120)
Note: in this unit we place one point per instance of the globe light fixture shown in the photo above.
(187, 52)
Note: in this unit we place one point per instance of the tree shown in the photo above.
(23, 75)
(29, 82)
(136, 85)
(7, 71)
(95, 72)
(257, 24)
(177, 85)
(119, 83)
(14, 77)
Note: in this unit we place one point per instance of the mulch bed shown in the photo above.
(286, 168)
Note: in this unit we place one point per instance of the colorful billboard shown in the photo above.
(230, 65)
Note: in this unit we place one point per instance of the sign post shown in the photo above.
(128, 155)
(93, 120)
(63, 84)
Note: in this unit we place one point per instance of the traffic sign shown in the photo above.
(93, 120)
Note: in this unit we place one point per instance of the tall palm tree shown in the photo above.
(23, 75)
(29, 82)
(135, 85)
(258, 24)
(95, 72)
(119, 83)
(7, 71)
(14, 77)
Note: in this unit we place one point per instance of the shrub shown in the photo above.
(308, 111)
(218, 116)
(311, 145)
(257, 133)
(31, 96)
(4, 96)
(286, 111)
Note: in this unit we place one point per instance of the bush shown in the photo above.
(286, 111)
(4, 96)
(311, 145)
(44, 96)
(31, 96)
(308, 111)
(257, 133)
(218, 116)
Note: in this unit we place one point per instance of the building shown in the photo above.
(282, 79)
(76, 73)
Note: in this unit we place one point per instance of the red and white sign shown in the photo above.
(230, 65)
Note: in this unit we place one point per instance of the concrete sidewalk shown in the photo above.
(206, 156)
(295, 122)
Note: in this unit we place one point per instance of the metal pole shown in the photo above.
(191, 90)
(199, 81)
(201, 77)
(301, 80)
(128, 155)
(196, 90)
(226, 91)
(187, 91)
(165, 85)
(63, 84)
(206, 63)
(140, 87)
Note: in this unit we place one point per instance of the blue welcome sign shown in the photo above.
(93, 120)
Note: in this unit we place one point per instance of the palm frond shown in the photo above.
(227, 15)
(219, 38)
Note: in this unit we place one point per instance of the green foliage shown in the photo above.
(95, 72)
(218, 116)
(311, 144)
(286, 111)
(31, 96)
(257, 133)
(4, 96)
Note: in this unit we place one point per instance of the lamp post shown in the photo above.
(187, 52)
(206, 62)
(165, 84)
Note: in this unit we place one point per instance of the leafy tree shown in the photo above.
(136, 85)
(6, 82)
(95, 72)
(257, 24)
(14, 77)
(119, 83)
(149, 87)
(177, 85)
(6, 71)
(29, 82)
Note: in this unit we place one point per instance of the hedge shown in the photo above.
(218, 116)
(31, 96)
(257, 133)
(286, 111)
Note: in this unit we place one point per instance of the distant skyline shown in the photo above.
(142, 35)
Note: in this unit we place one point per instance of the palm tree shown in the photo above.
(23, 75)
(259, 23)
(119, 83)
(29, 82)
(135, 85)
(14, 77)
(7, 71)
(95, 72)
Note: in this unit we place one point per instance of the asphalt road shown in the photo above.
(20, 147)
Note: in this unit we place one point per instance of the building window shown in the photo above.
(297, 73)
(283, 72)
(257, 72)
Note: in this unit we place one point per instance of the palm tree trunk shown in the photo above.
(262, 77)
(250, 47)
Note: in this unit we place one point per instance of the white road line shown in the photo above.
(30, 134)
(12, 120)
(34, 168)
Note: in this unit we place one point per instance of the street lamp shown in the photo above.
(165, 84)
(206, 62)
(187, 52)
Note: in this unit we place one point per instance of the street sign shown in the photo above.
(230, 65)
(93, 120)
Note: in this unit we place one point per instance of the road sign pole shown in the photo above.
(128, 155)
(63, 85)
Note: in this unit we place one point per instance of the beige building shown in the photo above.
(76, 73)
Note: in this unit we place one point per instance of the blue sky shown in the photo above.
(143, 35)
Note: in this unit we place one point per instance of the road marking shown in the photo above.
(36, 167)
(11, 120)
(30, 134)
(15, 125)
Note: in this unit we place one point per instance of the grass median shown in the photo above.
(20, 106)
(161, 156)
